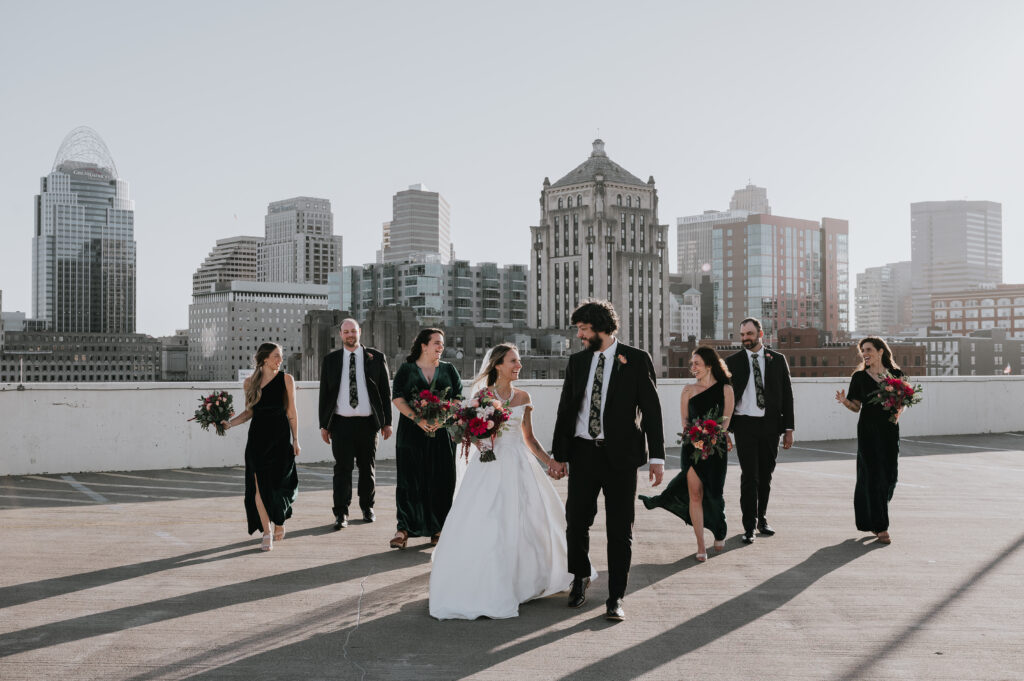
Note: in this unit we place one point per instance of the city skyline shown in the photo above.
(849, 112)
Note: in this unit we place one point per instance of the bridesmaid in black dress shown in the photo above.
(878, 439)
(271, 481)
(696, 494)
(424, 452)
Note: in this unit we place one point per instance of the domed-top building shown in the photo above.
(83, 249)
(599, 237)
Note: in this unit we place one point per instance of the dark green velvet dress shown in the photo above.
(711, 471)
(426, 465)
(270, 458)
(878, 451)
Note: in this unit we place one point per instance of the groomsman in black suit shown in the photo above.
(355, 403)
(764, 411)
(608, 417)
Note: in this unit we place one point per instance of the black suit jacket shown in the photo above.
(632, 411)
(778, 389)
(378, 386)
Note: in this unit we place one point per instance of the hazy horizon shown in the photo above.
(213, 111)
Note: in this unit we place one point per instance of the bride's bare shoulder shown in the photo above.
(520, 398)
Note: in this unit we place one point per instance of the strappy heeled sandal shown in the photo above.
(399, 540)
(268, 542)
(719, 544)
(701, 557)
(884, 538)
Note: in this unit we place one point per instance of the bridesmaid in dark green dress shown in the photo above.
(271, 481)
(696, 494)
(424, 452)
(878, 439)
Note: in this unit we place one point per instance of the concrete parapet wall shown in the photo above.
(68, 428)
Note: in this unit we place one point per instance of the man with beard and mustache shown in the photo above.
(609, 416)
(764, 411)
(355, 404)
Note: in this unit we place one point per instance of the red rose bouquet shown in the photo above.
(707, 435)
(213, 409)
(479, 420)
(433, 407)
(894, 394)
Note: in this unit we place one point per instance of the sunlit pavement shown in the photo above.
(149, 575)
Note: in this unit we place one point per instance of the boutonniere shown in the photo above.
(369, 355)
(622, 359)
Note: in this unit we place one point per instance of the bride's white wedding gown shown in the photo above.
(503, 542)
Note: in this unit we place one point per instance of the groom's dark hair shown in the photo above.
(599, 314)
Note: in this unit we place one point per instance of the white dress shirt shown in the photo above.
(343, 407)
(747, 405)
(583, 416)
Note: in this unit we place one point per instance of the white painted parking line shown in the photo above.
(152, 478)
(847, 477)
(35, 498)
(823, 451)
(948, 444)
(84, 490)
(310, 471)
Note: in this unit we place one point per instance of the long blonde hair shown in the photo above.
(253, 391)
(488, 375)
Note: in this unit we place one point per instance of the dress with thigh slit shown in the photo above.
(270, 458)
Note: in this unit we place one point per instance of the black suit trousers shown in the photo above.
(757, 448)
(353, 443)
(591, 473)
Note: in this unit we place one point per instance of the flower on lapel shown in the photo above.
(622, 359)
(369, 355)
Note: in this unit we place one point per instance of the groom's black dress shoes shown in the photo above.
(578, 591)
(615, 613)
(748, 537)
(764, 528)
(340, 521)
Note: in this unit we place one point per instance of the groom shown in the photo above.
(608, 417)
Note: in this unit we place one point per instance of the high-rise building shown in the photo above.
(299, 245)
(420, 227)
(979, 309)
(882, 300)
(83, 250)
(440, 294)
(787, 272)
(236, 257)
(693, 242)
(684, 309)
(227, 323)
(954, 245)
(751, 199)
(599, 237)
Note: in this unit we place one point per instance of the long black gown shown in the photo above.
(878, 451)
(711, 471)
(270, 458)
(426, 465)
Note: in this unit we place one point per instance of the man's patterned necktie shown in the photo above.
(595, 398)
(758, 381)
(353, 387)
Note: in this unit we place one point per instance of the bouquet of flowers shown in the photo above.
(893, 394)
(479, 421)
(433, 408)
(214, 408)
(707, 435)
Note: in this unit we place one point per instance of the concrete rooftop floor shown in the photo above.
(149, 575)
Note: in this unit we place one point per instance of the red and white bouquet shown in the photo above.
(479, 421)
(433, 408)
(894, 394)
(707, 435)
(213, 409)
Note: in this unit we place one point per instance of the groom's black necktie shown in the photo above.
(353, 386)
(758, 381)
(594, 426)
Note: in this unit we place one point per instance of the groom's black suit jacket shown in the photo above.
(778, 389)
(378, 386)
(632, 411)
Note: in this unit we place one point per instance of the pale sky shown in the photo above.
(213, 109)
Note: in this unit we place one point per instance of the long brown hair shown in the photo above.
(253, 391)
(887, 361)
(490, 371)
(422, 338)
(714, 361)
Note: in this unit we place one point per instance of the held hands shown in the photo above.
(657, 472)
(557, 469)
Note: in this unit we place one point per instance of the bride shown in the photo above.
(504, 540)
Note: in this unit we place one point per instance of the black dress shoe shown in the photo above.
(578, 591)
(369, 516)
(340, 522)
(748, 537)
(764, 528)
(615, 613)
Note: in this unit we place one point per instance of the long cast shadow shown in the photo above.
(271, 586)
(19, 594)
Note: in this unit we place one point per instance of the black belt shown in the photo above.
(594, 443)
